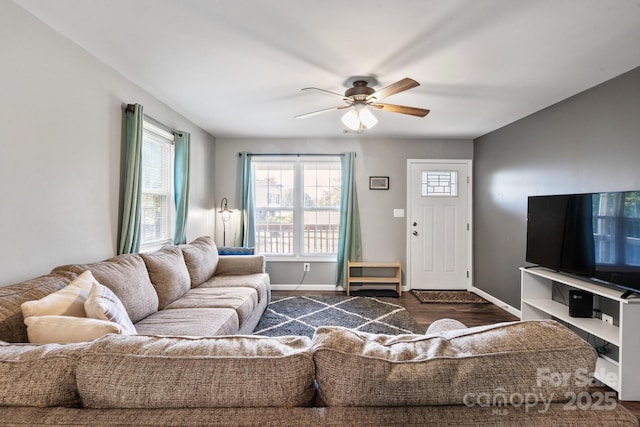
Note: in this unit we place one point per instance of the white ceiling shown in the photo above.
(236, 67)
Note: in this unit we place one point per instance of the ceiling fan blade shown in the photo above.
(392, 89)
(329, 93)
(413, 111)
(326, 110)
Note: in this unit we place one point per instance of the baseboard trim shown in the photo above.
(506, 307)
(306, 287)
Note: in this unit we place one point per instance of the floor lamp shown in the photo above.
(226, 216)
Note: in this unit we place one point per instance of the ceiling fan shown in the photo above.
(362, 97)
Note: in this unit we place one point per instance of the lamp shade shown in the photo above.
(351, 120)
(224, 210)
(367, 118)
(360, 117)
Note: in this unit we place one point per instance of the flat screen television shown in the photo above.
(593, 235)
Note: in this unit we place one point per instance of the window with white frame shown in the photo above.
(297, 205)
(157, 187)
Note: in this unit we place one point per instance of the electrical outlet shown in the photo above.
(607, 319)
(306, 266)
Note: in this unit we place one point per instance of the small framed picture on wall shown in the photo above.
(378, 183)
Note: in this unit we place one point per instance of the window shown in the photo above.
(440, 183)
(157, 187)
(297, 205)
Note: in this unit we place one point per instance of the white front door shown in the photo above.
(439, 227)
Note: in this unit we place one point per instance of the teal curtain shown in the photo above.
(130, 217)
(349, 238)
(182, 166)
(247, 235)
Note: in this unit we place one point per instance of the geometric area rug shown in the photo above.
(302, 315)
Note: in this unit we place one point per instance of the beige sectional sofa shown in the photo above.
(192, 363)
(504, 374)
(178, 290)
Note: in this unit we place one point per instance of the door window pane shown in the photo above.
(440, 183)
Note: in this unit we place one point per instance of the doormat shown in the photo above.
(302, 315)
(448, 297)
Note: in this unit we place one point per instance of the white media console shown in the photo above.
(622, 375)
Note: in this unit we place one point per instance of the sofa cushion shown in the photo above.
(258, 281)
(250, 264)
(358, 369)
(68, 329)
(171, 372)
(12, 327)
(203, 322)
(243, 300)
(68, 301)
(103, 304)
(201, 258)
(39, 375)
(168, 273)
(127, 277)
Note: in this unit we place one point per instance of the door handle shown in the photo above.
(415, 233)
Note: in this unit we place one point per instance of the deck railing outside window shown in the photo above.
(278, 238)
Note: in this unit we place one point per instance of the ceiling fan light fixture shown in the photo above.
(367, 118)
(361, 96)
(359, 118)
(351, 120)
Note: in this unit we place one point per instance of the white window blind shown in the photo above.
(157, 187)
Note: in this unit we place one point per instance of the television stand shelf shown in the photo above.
(396, 279)
(537, 303)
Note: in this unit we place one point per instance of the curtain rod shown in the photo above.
(292, 155)
(132, 107)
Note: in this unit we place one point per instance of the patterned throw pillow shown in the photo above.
(103, 304)
(235, 250)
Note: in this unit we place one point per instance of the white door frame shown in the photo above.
(469, 164)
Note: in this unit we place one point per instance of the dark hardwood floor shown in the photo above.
(425, 314)
(469, 314)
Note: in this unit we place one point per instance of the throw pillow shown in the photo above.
(103, 304)
(235, 250)
(68, 301)
(128, 278)
(67, 329)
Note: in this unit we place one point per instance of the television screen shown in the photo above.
(594, 235)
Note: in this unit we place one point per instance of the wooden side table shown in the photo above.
(396, 279)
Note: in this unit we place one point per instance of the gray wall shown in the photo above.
(60, 140)
(383, 236)
(587, 143)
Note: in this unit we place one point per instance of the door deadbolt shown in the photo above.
(415, 223)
